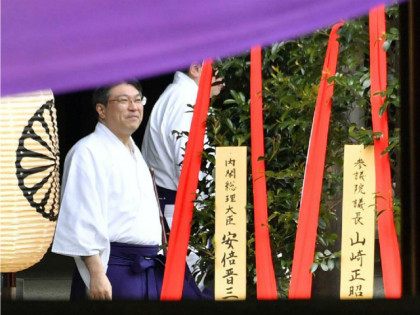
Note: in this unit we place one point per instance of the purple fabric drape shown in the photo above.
(72, 45)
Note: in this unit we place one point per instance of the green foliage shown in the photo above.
(291, 73)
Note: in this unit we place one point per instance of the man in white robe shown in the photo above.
(109, 216)
(164, 144)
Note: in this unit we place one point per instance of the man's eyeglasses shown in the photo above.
(125, 100)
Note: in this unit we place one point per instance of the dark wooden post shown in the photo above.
(410, 148)
(8, 290)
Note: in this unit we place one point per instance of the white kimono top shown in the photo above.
(162, 149)
(107, 196)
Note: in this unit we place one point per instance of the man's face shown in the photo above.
(217, 85)
(124, 111)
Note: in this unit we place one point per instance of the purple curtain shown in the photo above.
(72, 45)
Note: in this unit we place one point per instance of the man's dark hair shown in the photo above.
(101, 94)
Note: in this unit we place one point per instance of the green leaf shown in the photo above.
(383, 109)
(314, 267)
(386, 45)
(330, 264)
(366, 83)
(324, 266)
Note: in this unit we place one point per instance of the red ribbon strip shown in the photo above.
(266, 280)
(173, 278)
(301, 277)
(388, 241)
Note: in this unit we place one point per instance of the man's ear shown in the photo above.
(195, 71)
(101, 110)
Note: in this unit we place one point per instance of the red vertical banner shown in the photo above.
(388, 240)
(266, 280)
(173, 278)
(301, 277)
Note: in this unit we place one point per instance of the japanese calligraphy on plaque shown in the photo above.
(358, 223)
(230, 230)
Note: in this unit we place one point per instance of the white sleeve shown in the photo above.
(82, 226)
(181, 122)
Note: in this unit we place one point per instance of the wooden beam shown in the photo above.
(410, 148)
